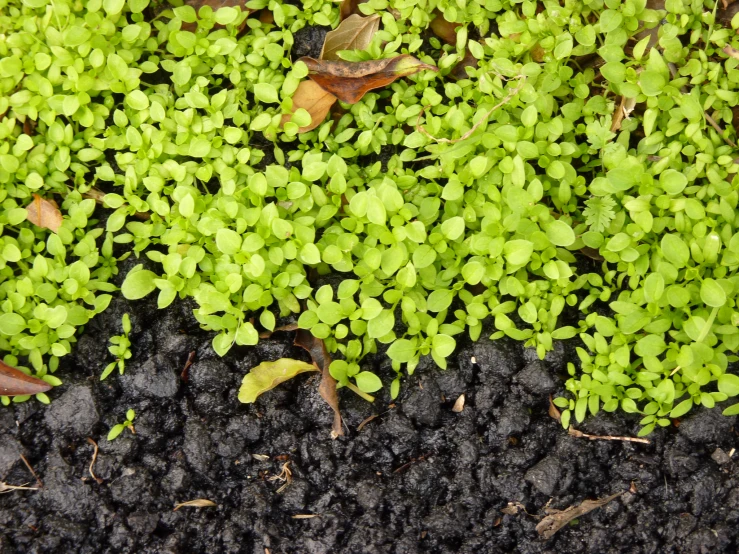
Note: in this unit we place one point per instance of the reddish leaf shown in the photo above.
(44, 213)
(350, 81)
(313, 99)
(459, 72)
(321, 359)
(444, 29)
(14, 382)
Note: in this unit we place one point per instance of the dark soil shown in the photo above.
(417, 478)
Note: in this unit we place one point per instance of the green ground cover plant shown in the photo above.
(549, 133)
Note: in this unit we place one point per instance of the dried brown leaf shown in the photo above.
(327, 389)
(553, 411)
(313, 99)
(350, 81)
(44, 213)
(354, 33)
(552, 523)
(444, 29)
(13, 382)
(349, 7)
(460, 70)
(197, 503)
(459, 404)
(625, 107)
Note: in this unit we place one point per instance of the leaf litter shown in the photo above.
(13, 382)
(354, 33)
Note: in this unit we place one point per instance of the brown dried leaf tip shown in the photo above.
(197, 503)
(354, 33)
(13, 382)
(313, 99)
(350, 81)
(44, 213)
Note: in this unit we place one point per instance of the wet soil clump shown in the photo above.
(418, 478)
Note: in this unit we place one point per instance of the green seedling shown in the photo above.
(120, 427)
(120, 347)
(577, 159)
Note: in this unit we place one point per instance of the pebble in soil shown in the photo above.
(417, 478)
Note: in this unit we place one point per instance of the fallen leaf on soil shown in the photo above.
(459, 404)
(553, 411)
(44, 213)
(13, 382)
(350, 81)
(444, 29)
(260, 457)
(198, 503)
(625, 107)
(513, 508)
(460, 72)
(349, 7)
(268, 375)
(288, 327)
(552, 523)
(354, 33)
(313, 99)
(321, 360)
(215, 4)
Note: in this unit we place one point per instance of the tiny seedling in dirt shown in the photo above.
(120, 347)
(120, 427)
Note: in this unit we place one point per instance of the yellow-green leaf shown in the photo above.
(268, 375)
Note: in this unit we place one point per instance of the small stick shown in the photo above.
(94, 459)
(718, 129)
(474, 128)
(190, 359)
(4, 487)
(579, 434)
(365, 422)
(38, 481)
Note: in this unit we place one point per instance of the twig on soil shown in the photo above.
(286, 476)
(94, 459)
(482, 120)
(579, 434)
(185, 376)
(197, 503)
(552, 523)
(305, 516)
(38, 481)
(366, 421)
(4, 488)
(413, 461)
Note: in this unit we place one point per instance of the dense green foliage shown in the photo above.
(445, 234)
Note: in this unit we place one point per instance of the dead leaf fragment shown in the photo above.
(327, 389)
(445, 30)
(552, 523)
(313, 99)
(354, 33)
(553, 411)
(349, 7)
(197, 503)
(13, 382)
(459, 404)
(460, 70)
(268, 375)
(731, 51)
(625, 107)
(44, 213)
(350, 81)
